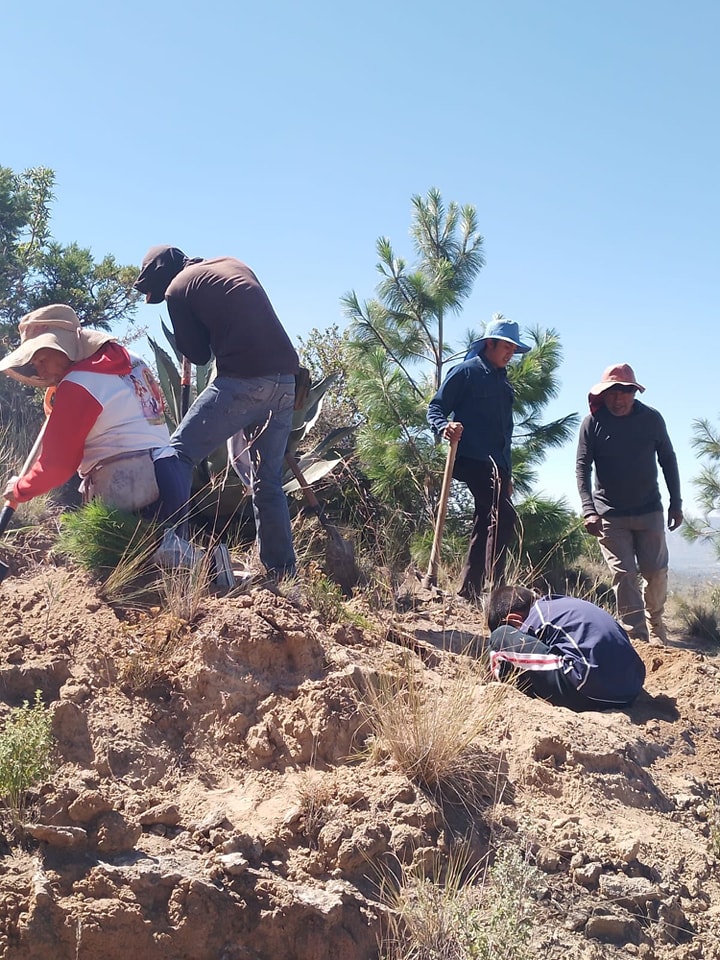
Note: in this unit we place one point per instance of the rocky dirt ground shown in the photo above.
(212, 801)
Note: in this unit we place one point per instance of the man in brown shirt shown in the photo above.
(218, 307)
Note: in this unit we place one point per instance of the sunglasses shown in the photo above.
(621, 388)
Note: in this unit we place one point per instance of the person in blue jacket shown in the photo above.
(474, 406)
(564, 650)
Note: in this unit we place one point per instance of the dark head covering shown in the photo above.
(160, 266)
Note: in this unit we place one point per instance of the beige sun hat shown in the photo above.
(58, 327)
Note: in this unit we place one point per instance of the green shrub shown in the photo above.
(26, 744)
(461, 912)
(99, 537)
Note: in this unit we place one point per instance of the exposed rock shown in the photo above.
(610, 928)
(61, 837)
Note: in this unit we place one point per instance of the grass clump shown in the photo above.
(147, 664)
(99, 537)
(316, 793)
(328, 600)
(700, 615)
(115, 545)
(184, 588)
(462, 912)
(437, 732)
(26, 745)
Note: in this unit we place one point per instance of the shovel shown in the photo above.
(185, 387)
(430, 578)
(10, 505)
(340, 552)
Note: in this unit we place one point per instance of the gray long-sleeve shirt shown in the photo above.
(625, 452)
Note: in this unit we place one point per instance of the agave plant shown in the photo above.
(220, 488)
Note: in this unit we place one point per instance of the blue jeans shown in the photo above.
(263, 408)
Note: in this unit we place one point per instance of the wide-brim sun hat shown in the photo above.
(506, 330)
(57, 327)
(616, 375)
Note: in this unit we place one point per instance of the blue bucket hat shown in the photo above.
(506, 330)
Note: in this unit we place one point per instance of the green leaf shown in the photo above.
(169, 381)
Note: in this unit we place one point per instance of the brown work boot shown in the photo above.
(658, 633)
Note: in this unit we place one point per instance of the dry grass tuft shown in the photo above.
(184, 588)
(147, 662)
(699, 614)
(437, 732)
(316, 792)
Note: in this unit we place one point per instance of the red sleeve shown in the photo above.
(73, 415)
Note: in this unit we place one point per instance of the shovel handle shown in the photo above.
(11, 505)
(431, 575)
(185, 386)
(6, 515)
(307, 490)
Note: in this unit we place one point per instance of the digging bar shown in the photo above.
(340, 552)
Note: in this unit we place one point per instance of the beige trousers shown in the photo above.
(633, 548)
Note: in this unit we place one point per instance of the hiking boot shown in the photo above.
(658, 634)
(174, 553)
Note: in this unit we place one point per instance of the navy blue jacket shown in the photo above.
(480, 397)
(596, 654)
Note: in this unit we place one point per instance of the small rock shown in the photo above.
(575, 921)
(588, 875)
(628, 850)
(234, 864)
(612, 929)
(113, 834)
(163, 813)
(630, 892)
(87, 806)
(62, 837)
(547, 860)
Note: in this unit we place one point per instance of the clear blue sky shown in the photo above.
(292, 135)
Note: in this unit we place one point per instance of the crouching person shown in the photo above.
(566, 651)
(106, 422)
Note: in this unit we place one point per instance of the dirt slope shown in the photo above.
(217, 808)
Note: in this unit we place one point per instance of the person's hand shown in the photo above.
(9, 491)
(453, 431)
(675, 518)
(593, 525)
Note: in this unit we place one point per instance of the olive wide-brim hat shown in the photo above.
(57, 327)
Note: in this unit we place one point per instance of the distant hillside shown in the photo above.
(692, 560)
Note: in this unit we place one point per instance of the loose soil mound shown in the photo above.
(213, 801)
